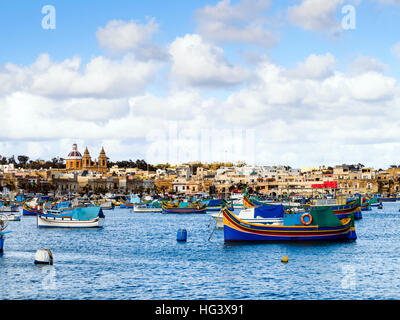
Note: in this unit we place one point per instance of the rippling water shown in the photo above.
(136, 256)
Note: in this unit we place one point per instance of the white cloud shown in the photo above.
(315, 67)
(244, 22)
(396, 50)
(316, 15)
(397, 2)
(364, 64)
(198, 63)
(101, 77)
(120, 37)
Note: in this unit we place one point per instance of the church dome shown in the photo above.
(74, 154)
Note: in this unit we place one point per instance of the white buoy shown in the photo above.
(44, 256)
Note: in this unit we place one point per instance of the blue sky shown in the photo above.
(77, 21)
(254, 65)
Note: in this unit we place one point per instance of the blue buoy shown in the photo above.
(182, 235)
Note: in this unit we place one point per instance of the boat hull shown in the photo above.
(218, 208)
(62, 222)
(184, 210)
(13, 217)
(141, 208)
(28, 211)
(125, 204)
(387, 199)
(238, 230)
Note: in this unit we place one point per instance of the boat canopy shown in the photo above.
(215, 203)
(134, 199)
(324, 217)
(265, 211)
(87, 213)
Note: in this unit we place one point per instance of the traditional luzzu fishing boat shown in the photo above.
(387, 199)
(27, 210)
(268, 215)
(32, 210)
(184, 208)
(366, 204)
(129, 204)
(373, 201)
(318, 224)
(82, 217)
(218, 204)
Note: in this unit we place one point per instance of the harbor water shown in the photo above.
(136, 256)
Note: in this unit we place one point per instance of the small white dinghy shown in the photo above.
(140, 207)
(13, 217)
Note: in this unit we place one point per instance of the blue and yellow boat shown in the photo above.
(184, 208)
(129, 204)
(29, 211)
(218, 204)
(318, 224)
(387, 199)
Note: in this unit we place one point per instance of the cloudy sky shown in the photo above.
(299, 83)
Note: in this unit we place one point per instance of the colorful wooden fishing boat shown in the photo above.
(322, 224)
(86, 217)
(29, 211)
(218, 204)
(125, 204)
(129, 204)
(387, 199)
(373, 201)
(185, 210)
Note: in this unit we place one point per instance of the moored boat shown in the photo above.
(218, 204)
(186, 209)
(145, 207)
(387, 199)
(27, 210)
(13, 217)
(109, 205)
(83, 217)
(8, 207)
(318, 224)
(129, 204)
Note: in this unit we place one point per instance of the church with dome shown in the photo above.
(76, 162)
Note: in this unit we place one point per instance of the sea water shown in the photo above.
(136, 256)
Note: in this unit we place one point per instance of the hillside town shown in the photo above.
(79, 173)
